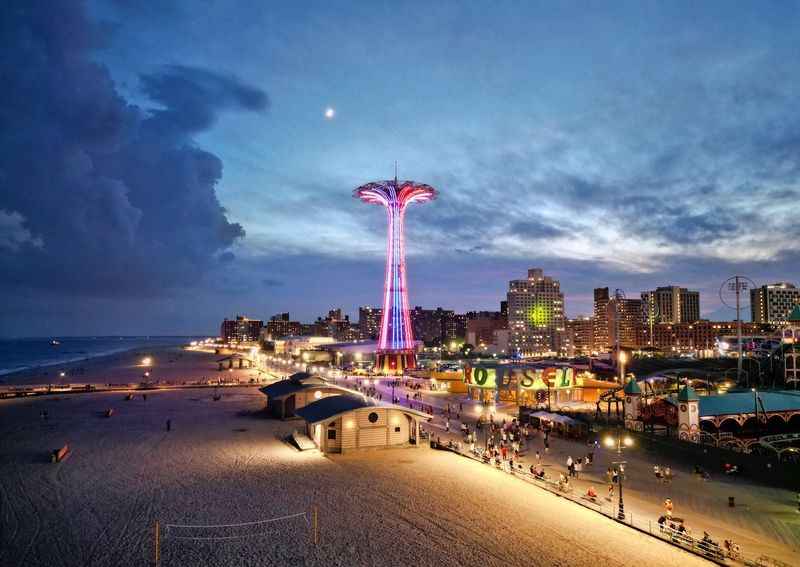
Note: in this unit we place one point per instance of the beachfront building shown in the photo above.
(240, 330)
(285, 397)
(350, 422)
(295, 345)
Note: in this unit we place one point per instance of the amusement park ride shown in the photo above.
(396, 340)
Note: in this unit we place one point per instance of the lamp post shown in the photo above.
(623, 358)
(620, 442)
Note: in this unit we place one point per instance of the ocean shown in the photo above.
(22, 354)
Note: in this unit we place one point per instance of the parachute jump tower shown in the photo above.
(396, 342)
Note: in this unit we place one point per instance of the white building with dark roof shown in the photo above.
(350, 422)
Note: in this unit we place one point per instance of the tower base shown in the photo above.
(396, 362)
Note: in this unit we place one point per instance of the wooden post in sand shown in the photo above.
(157, 546)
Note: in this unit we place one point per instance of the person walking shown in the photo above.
(169, 425)
(539, 459)
(668, 508)
(569, 465)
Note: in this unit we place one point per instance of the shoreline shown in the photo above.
(21, 368)
(170, 365)
(38, 367)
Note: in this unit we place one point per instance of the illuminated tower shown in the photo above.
(396, 340)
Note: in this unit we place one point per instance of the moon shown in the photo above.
(329, 113)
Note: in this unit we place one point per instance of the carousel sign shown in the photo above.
(507, 377)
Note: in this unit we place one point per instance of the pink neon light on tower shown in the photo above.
(396, 342)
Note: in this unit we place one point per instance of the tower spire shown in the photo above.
(395, 173)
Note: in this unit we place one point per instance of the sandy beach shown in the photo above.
(168, 365)
(224, 463)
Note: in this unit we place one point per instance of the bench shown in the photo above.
(59, 455)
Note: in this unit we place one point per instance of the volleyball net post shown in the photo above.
(156, 546)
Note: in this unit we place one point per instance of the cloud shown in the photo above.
(13, 234)
(100, 196)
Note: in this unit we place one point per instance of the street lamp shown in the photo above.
(620, 442)
(623, 358)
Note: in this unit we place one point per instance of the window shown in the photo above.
(397, 429)
(332, 434)
(372, 417)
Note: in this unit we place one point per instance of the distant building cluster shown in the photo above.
(532, 322)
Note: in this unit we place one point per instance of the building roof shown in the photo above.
(687, 394)
(743, 402)
(632, 387)
(364, 347)
(734, 403)
(294, 383)
(333, 406)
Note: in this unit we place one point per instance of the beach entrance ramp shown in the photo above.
(303, 441)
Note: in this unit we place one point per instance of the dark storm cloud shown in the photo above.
(192, 97)
(97, 195)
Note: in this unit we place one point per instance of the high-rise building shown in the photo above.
(280, 325)
(438, 326)
(481, 331)
(580, 336)
(454, 326)
(672, 304)
(504, 309)
(535, 314)
(369, 321)
(600, 340)
(773, 303)
(625, 322)
(427, 324)
(241, 329)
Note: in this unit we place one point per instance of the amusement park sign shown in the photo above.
(506, 377)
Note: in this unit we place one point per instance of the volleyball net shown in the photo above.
(221, 532)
